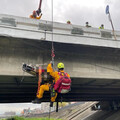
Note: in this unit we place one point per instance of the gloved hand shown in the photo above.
(38, 11)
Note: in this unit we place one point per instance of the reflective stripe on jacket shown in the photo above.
(63, 83)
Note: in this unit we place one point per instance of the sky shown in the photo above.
(77, 11)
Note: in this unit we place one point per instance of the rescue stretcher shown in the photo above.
(37, 72)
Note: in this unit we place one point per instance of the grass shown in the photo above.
(21, 118)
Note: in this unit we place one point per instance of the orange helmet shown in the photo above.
(68, 22)
(34, 12)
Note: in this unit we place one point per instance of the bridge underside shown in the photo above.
(15, 90)
(94, 70)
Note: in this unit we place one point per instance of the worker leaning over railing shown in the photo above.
(63, 84)
(101, 27)
(36, 14)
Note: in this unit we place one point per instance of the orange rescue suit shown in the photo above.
(31, 16)
(46, 86)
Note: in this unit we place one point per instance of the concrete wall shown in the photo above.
(86, 54)
(91, 58)
(80, 61)
(38, 29)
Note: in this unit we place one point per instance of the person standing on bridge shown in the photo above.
(57, 86)
(68, 22)
(101, 27)
(87, 25)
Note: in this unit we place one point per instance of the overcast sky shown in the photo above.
(77, 11)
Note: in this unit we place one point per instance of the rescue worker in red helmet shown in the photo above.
(46, 87)
(35, 15)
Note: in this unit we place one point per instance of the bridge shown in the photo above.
(91, 57)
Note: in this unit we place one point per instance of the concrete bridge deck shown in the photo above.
(20, 27)
(91, 57)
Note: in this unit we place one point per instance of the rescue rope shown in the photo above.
(52, 50)
(40, 4)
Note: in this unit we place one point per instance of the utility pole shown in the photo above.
(109, 16)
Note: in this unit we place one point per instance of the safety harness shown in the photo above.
(63, 84)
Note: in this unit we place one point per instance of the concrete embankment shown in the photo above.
(75, 111)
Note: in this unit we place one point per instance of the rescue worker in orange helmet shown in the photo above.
(46, 87)
(35, 15)
(68, 22)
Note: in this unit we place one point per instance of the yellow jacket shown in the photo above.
(53, 73)
(101, 27)
(31, 16)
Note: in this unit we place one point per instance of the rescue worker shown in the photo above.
(36, 14)
(101, 27)
(87, 24)
(68, 22)
(48, 87)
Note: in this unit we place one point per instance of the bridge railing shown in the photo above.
(62, 28)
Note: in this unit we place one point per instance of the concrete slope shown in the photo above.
(104, 115)
(115, 116)
(62, 112)
(80, 112)
(76, 112)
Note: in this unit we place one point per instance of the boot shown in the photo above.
(51, 104)
(36, 101)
